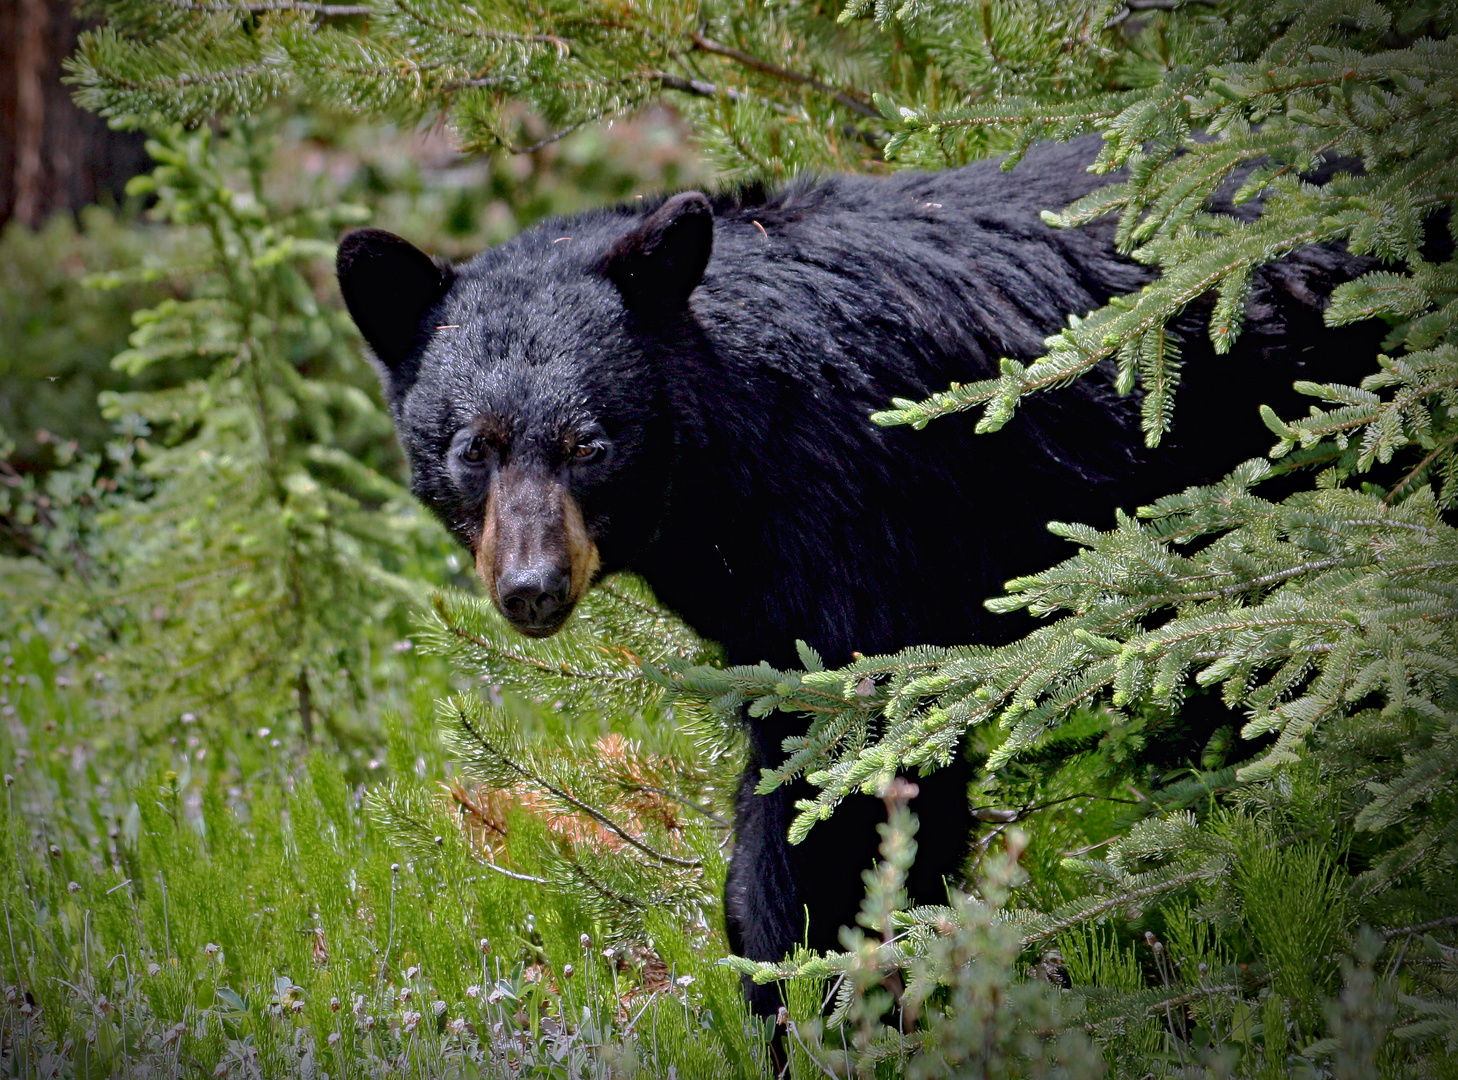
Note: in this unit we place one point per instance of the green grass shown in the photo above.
(227, 901)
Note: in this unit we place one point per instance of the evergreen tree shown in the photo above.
(275, 549)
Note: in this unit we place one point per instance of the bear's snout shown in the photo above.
(536, 599)
(535, 555)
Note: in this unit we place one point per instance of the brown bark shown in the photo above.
(53, 155)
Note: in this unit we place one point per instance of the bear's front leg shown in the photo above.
(779, 896)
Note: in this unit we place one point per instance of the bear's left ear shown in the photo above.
(389, 286)
(659, 263)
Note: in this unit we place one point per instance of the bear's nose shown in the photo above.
(534, 598)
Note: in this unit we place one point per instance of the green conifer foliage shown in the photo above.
(771, 88)
(275, 523)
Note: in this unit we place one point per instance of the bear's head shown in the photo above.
(527, 389)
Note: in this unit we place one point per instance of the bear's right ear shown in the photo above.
(659, 263)
(389, 286)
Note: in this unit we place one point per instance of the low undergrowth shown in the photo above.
(232, 908)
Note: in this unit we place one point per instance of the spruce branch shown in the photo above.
(461, 717)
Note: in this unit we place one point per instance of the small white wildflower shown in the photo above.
(456, 1026)
(154, 968)
(585, 941)
(334, 1004)
(410, 1020)
(359, 1004)
(495, 996)
(610, 954)
(484, 945)
(297, 1006)
(568, 971)
(367, 1022)
(220, 1069)
(685, 980)
(404, 994)
(55, 851)
(412, 971)
(437, 1007)
(473, 991)
(212, 948)
(782, 1017)
(173, 1034)
(333, 1038)
(91, 1035)
(73, 886)
(264, 732)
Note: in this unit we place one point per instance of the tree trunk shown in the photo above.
(53, 156)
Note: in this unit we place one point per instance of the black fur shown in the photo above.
(744, 481)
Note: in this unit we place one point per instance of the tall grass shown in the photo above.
(229, 907)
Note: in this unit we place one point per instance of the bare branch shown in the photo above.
(840, 97)
(269, 7)
(1421, 928)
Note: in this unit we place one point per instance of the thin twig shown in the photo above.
(549, 140)
(680, 799)
(266, 7)
(1114, 902)
(591, 811)
(515, 875)
(1086, 850)
(1007, 817)
(1421, 928)
(795, 1034)
(1132, 6)
(1397, 488)
(1209, 991)
(697, 87)
(839, 96)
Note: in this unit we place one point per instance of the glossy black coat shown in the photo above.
(745, 481)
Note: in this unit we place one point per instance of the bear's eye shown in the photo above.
(588, 451)
(475, 451)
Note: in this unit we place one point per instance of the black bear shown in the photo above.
(683, 389)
